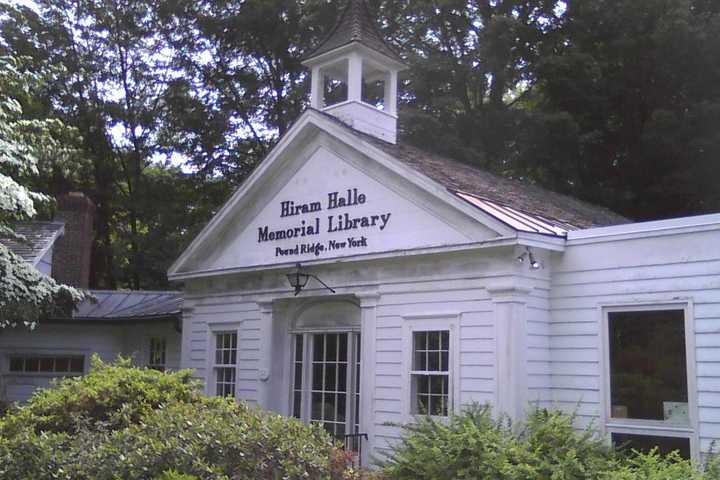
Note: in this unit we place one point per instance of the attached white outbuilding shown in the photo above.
(446, 285)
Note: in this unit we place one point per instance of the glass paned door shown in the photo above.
(326, 372)
(330, 382)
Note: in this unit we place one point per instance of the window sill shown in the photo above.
(649, 426)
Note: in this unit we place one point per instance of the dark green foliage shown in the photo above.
(474, 445)
(628, 106)
(130, 423)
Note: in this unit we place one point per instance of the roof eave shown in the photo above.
(327, 57)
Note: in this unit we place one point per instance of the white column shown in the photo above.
(317, 89)
(355, 77)
(391, 90)
(264, 389)
(509, 303)
(368, 306)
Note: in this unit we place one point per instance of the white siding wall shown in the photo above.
(223, 313)
(108, 341)
(653, 270)
(538, 346)
(465, 300)
(452, 288)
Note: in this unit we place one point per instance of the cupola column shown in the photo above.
(317, 89)
(355, 77)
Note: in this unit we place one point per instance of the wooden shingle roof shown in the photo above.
(562, 210)
(40, 238)
(355, 24)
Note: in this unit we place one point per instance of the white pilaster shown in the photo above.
(509, 303)
(368, 307)
(265, 368)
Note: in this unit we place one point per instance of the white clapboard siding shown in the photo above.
(652, 270)
(216, 314)
(108, 341)
(469, 306)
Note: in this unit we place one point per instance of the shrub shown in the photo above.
(474, 445)
(129, 423)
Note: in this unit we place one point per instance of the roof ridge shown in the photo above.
(575, 212)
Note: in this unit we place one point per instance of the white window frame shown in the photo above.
(211, 376)
(306, 390)
(6, 353)
(657, 428)
(429, 323)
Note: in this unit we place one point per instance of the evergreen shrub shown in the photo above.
(475, 445)
(119, 422)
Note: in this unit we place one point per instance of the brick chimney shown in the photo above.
(71, 254)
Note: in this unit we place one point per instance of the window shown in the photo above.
(326, 377)
(430, 375)
(645, 443)
(647, 365)
(73, 365)
(225, 363)
(156, 359)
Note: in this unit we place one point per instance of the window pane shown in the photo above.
(342, 378)
(420, 341)
(298, 348)
(298, 376)
(317, 376)
(331, 345)
(16, 364)
(77, 364)
(433, 340)
(645, 443)
(297, 399)
(330, 372)
(32, 364)
(420, 361)
(342, 348)
(648, 372)
(46, 364)
(318, 347)
(341, 407)
(433, 361)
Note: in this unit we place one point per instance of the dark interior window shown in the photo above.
(645, 443)
(648, 372)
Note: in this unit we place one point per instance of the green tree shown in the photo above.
(628, 106)
(25, 293)
(115, 85)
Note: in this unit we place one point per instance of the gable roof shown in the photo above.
(355, 24)
(119, 305)
(560, 210)
(40, 238)
(499, 204)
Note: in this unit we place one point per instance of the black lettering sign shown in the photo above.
(336, 223)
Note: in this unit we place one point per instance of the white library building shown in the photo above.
(356, 282)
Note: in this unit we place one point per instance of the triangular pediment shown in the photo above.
(321, 196)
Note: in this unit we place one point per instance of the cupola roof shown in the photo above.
(356, 24)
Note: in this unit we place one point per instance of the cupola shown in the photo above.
(355, 74)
